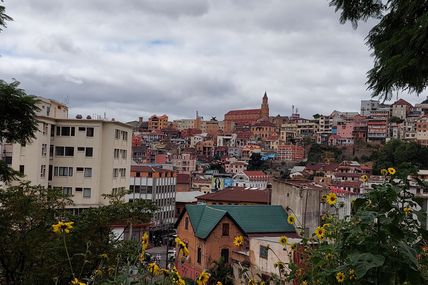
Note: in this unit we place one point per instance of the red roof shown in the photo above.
(254, 173)
(238, 195)
(243, 112)
(402, 102)
(183, 178)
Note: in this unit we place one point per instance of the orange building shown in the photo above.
(209, 231)
(246, 117)
(290, 152)
(158, 122)
(263, 129)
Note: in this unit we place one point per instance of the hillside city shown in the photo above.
(217, 173)
(199, 170)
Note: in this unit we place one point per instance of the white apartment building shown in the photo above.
(85, 157)
(158, 186)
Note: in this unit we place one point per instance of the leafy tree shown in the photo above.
(3, 17)
(398, 40)
(382, 243)
(256, 162)
(324, 153)
(404, 155)
(17, 120)
(31, 253)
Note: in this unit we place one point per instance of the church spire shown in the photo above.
(264, 110)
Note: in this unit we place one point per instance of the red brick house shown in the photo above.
(209, 231)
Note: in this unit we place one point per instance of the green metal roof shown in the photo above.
(251, 219)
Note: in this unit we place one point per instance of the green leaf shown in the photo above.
(363, 262)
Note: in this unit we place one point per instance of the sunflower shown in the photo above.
(238, 241)
(383, 171)
(326, 225)
(294, 246)
(145, 241)
(291, 219)
(283, 240)
(391, 170)
(329, 256)
(218, 283)
(331, 199)
(76, 281)
(320, 233)
(153, 268)
(203, 278)
(364, 178)
(407, 210)
(62, 227)
(304, 282)
(340, 277)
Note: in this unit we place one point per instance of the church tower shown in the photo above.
(264, 110)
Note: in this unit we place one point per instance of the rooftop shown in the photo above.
(238, 195)
(261, 219)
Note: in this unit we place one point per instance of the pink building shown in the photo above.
(346, 130)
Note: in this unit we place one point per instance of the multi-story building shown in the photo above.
(246, 117)
(422, 107)
(422, 131)
(263, 129)
(290, 152)
(184, 163)
(251, 179)
(377, 130)
(85, 157)
(158, 122)
(367, 106)
(156, 185)
(401, 108)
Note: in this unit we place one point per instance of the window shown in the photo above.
(69, 151)
(124, 135)
(88, 172)
(67, 191)
(80, 149)
(225, 255)
(82, 129)
(45, 129)
(116, 153)
(59, 151)
(186, 223)
(86, 192)
(199, 255)
(117, 134)
(65, 131)
(79, 169)
(225, 229)
(43, 171)
(63, 171)
(115, 172)
(44, 149)
(123, 153)
(122, 172)
(89, 132)
(89, 152)
(52, 130)
(51, 151)
(79, 189)
(21, 169)
(264, 252)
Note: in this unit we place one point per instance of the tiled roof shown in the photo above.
(250, 219)
(238, 194)
(254, 173)
(402, 102)
(243, 112)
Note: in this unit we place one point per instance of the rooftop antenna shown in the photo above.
(292, 109)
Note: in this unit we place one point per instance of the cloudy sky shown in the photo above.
(140, 57)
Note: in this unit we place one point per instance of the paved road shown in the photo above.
(159, 252)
